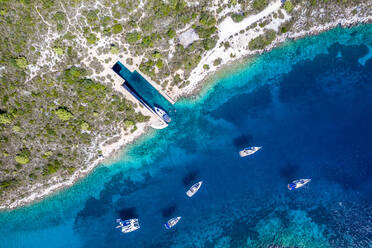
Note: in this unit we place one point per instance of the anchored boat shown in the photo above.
(172, 222)
(194, 189)
(298, 183)
(249, 150)
(128, 225)
(161, 112)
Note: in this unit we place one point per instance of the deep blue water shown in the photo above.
(308, 103)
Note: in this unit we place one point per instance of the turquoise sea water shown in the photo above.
(308, 103)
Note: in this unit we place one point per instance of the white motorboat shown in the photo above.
(128, 225)
(298, 183)
(249, 151)
(172, 222)
(160, 112)
(194, 189)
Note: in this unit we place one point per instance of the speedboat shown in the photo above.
(298, 183)
(128, 225)
(161, 112)
(249, 150)
(194, 189)
(172, 222)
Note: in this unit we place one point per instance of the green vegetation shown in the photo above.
(209, 43)
(217, 61)
(262, 41)
(63, 114)
(22, 159)
(49, 122)
(285, 27)
(114, 50)
(288, 6)
(117, 28)
(260, 4)
(84, 126)
(207, 19)
(171, 33)
(22, 62)
(132, 38)
(58, 50)
(4, 119)
(237, 17)
(160, 64)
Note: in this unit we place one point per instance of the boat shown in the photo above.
(128, 225)
(172, 222)
(160, 112)
(298, 183)
(193, 189)
(249, 150)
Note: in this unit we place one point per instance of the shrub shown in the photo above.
(59, 16)
(205, 32)
(128, 123)
(114, 50)
(117, 28)
(262, 41)
(91, 38)
(6, 183)
(22, 159)
(92, 16)
(207, 19)
(171, 33)
(52, 167)
(285, 27)
(58, 50)
(216, 62)
(237, 17)
(132, 38)
(288, 6)
(63, 114)
(160, 64)
(4, 119)
(84, 126)
(21, 62)
(156, 55)
(209, 43)
(17, 129)
(206, 67)
(259, 4)
(47, 154)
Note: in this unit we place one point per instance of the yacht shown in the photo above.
(298, 183)
(249, 151)
(194, 189)
(172, 222)
(160, 112)
(128, 225)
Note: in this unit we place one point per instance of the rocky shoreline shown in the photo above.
(39, 192)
